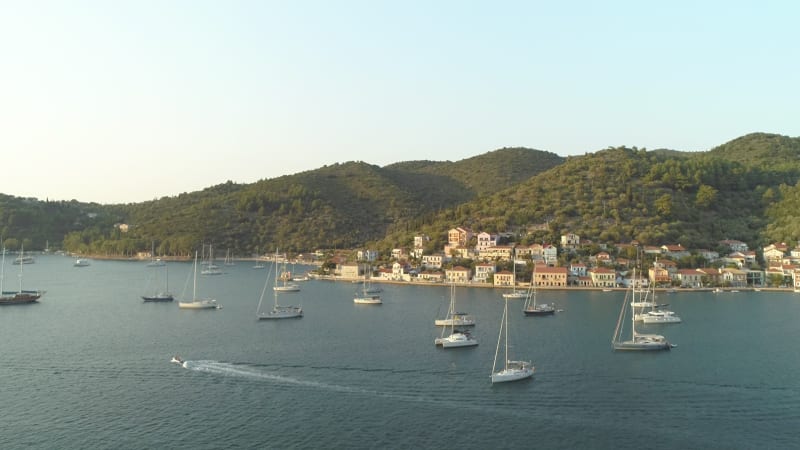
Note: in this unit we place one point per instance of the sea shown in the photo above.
(88, 367)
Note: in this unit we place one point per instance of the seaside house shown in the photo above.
(710, 277)
(350, 271)
(659, 275)
(734, 277)
(603, 277)
(550, 276)
(433, 277)
(690, 278)
(708, 255)
(577, 269)
(504, 278)
(457, 274)
(483, 272)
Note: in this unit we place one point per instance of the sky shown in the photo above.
(129, 101)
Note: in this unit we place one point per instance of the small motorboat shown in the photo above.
(177, 360)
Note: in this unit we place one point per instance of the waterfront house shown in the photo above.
(432, 261)
(459, 236)
(504, 278)
(603, 277)
(497, 253)
(484, 272)
(577, 269)
(550, 276)
(457, 274)
(689, 278)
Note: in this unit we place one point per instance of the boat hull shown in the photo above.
(517, 370)
(21, 298)
(282, 313)
(456, 340)
(540, 312)
(642, 346)
(373, 300)
(200, 304)
(158, 298)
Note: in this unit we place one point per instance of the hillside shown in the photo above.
(745, 189)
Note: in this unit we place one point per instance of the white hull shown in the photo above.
(661, 317)
(517, 370)
(515, 295)
(455, 322)
(287, 288)
(199, 304)
(374, 300)
(640, 345)
(457, 340)
(282, 312)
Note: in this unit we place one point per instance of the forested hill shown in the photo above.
(744, 189)
(655, 197)
(336, 206)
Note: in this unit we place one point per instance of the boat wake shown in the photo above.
(255, 373)
(260, 374)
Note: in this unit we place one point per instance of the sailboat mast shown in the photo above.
(499, 337)
(194, 283)
(505, 320)
(21, 265)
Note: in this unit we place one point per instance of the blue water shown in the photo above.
(88, 367)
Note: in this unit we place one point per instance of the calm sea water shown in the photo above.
(88, 367)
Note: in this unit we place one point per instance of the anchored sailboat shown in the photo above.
(512, 370)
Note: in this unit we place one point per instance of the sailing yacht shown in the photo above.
(456, 338)
(211, 268)
(531, 308)
(278, 311)
(512, 370)
(454, 318)
(637, 342)
(367, 298)
(198, 303)
(515, 294)
(154, 262)
(16, 297)
(160, 295)
(285, 276)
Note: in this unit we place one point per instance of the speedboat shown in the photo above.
(177, 360)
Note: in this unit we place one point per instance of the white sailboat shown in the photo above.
(285, 276)
(456, 338)
(211, 268)
(512, 370)
(229, 259)
(154, 262)
(453, 317)
(367, 298)
(198, 303)
(278, 311)
(638, 341)
(657, 313)
(515, 294)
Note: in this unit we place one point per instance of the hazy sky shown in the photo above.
(126, 101)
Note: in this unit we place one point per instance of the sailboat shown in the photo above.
(154, 262)
(285, 276)
(278, 311)
(160, 295)
(367, 298)
(531, 308)
(229, 258)
(453, 317)
(19, 297)
(637, 342)
(512, 370)
(198, 303)
(456, 338)
(515, 294)
(211, 268)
